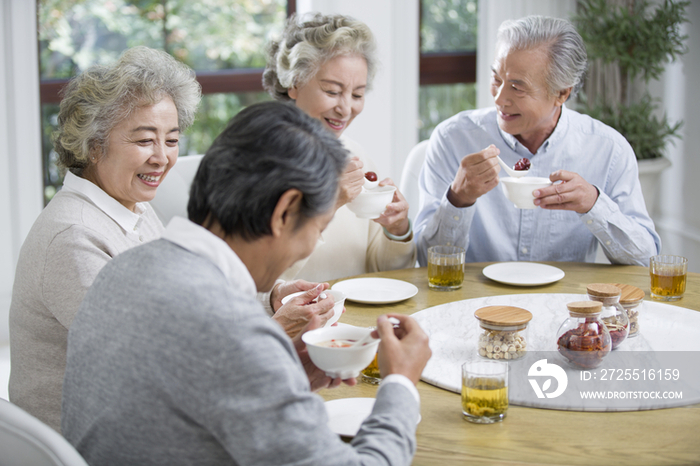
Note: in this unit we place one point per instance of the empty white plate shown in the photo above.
(376, 290)
(346, 415)
(523, 273)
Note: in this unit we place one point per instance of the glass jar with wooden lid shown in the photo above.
(613, 314)
(630, 299)
(583, 339)
(503, 332)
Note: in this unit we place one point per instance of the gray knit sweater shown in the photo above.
(170, 363)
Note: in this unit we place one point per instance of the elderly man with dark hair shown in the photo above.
(172, 360)
(596, 198)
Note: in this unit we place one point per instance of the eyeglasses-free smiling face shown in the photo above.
(336, 94)
(141, 150)
(526, 108)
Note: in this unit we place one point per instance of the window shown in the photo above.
(223, 41)
(448, 31)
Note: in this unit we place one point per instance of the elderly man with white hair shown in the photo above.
(596, 198)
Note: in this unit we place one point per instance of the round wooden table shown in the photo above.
(527, 435)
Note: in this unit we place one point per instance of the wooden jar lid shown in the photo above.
(603, 290)
(503, 315)
(630, 294)
(585, 307)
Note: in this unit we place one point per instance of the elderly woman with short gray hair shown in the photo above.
(325, 65)
(595, 199)
(118, 133)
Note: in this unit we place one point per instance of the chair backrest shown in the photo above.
(409, 177)
(25, 440)
(174, 192)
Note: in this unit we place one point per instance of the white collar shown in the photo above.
(202, 242)
(124, 217)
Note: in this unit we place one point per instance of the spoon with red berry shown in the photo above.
(371, 181)
(522, 167)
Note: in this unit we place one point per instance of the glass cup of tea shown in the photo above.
(445, 267)
(668, 277)
(371, 374)
(484, 391)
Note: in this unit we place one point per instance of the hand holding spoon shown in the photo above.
(512, 172)
(369, 338)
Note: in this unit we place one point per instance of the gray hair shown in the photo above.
(564, 45)
(101, 97)
(306, 45)
(266, 150)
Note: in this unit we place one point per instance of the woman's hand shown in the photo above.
(395, 217)
(299, 311)
(317, 378)
(351, 182)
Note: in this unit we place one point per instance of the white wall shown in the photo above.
(20, 140)
(678, 222)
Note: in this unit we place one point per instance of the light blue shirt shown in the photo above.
(494, 230)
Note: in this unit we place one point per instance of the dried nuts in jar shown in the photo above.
(504, 332)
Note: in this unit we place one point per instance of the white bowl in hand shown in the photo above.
(519, 190)
(338, 299)
(345, 363)
(372, 202)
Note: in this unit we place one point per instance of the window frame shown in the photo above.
(444, 67)
(212, 82)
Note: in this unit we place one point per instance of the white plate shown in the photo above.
(346, 415)
(376, 290)
(523, 273)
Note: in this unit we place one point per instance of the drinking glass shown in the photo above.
(484, 391)
(370, 374)
(668, 277)
(445, 267)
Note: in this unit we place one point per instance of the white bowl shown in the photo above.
(519, 190)
(338, 299)
(345, 363)
(372, 202)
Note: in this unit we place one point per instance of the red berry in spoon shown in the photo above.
(371, 176)
(522, 164)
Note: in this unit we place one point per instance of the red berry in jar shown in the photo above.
(371, 176)
(522, 164)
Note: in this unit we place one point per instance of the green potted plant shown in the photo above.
(628, 44)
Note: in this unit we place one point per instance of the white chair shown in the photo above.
(409, 177)
(174, 192)
(25, 440)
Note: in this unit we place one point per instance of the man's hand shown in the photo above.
(350, 182)
(317, 378)
(573, 193)
(477, 175)
(403, 350)
(299, 311)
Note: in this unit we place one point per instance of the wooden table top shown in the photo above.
(536, 436)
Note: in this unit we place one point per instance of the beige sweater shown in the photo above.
(351, 245)
(70, 242)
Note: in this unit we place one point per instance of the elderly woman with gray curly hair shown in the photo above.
(325, 65)
(118, 134)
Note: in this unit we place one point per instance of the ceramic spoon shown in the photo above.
(510, 171)
(364, 340)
